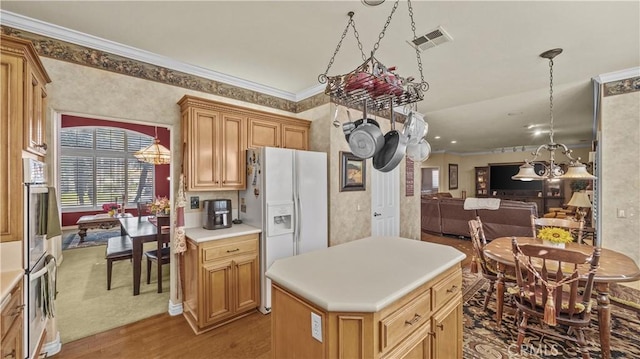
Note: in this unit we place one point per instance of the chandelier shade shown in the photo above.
(155, 153)
(552, 169)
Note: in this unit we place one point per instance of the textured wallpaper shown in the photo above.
(620, 173)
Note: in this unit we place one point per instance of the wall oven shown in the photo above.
(36, 199)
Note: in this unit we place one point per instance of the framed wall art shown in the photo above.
(453, 176)
(353, 172)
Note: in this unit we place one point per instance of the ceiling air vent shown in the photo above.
(431, 39)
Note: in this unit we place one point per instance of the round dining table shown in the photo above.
(614, 267)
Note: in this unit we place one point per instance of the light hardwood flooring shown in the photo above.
(164, 336)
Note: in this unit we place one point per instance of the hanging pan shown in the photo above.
(395, 145)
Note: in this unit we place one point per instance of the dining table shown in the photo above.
(140, 230)
(614, 267)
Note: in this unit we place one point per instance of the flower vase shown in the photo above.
(552, 244)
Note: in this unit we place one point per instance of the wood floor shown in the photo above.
(164, 336)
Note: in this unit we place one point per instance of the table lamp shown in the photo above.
(580, 200)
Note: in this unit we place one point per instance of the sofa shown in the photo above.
(447, 216)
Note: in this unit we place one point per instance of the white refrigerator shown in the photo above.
(286, 197)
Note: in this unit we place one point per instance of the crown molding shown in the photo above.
(617, 75)
(75, 37)
(311, 91)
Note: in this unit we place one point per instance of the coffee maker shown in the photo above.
(216, 214)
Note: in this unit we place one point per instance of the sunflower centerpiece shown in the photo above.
(554, 236)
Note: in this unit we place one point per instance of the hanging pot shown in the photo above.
(366, 139)
(419, 152)
(415, 128)
(395, 145)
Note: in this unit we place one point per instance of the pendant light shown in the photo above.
(155, 153)
(576, 170)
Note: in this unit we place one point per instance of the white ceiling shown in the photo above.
(490, 70)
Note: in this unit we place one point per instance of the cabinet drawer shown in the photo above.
(11, 311)
(229, 249)
(401, 323)
(446, 289)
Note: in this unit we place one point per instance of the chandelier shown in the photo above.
(155, 153)
(551, 170)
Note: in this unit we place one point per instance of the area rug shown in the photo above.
(482, 338)
(85, 307)
(95, 237)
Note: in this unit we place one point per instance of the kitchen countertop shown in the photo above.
(8, 280)
(199, 234)
(364, 275)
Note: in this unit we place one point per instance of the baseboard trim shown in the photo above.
(53, 347)
(175, 309)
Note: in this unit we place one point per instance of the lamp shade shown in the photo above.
(578, 171)
(526, 173)
(155, 154)
(579, 199)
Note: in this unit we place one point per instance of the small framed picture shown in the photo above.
(453, 176)
(353, 171)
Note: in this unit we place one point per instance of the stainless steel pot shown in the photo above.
(395, 145)
(366, 139)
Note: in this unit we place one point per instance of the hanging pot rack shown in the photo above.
(372, 84)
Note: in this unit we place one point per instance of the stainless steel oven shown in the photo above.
(36, 199)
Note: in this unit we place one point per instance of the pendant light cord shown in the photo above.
(551, 99)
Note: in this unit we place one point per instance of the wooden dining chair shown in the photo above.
(576, 228)
(118, 248)
(487, 268)
(162, 254)
(552, 287)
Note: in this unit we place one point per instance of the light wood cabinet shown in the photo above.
(425, 323)
(214, 145)
(285, 133)
(22, 126)
(12, 324)
(221, 281)
(216, 135)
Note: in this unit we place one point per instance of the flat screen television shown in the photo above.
(500, 179)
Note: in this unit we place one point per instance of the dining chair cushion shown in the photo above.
(119, 246)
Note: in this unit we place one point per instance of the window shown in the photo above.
(430, 180)
(97, 165)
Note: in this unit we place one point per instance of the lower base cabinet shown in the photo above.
(12, 324)
(222, 282)
(426, 323)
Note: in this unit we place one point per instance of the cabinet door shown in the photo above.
(415, 346)
(447, 330)
(263, 133)
(246, 281)
(11, 98)
(295, 137)
(232, 155)
(202, 139)
(216, 302)
(12, 342)
(34, 124)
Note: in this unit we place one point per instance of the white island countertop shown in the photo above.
(199, 234)
(364, 275)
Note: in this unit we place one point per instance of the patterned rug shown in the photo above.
(482, 339)
(95, 237)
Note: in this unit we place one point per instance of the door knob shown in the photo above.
(376, 214)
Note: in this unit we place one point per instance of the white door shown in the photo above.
(385, 203)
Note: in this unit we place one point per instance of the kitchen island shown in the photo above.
(377, 297)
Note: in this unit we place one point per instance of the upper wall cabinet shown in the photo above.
(216, 135)
(22, 124)
(26, 89)
(278, 132)
(214, 145)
